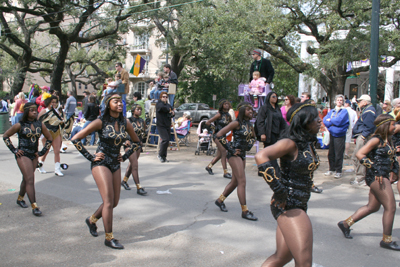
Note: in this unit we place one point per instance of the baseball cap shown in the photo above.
(348, 102)
(364, 97)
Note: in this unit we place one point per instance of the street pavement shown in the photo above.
(183, 228)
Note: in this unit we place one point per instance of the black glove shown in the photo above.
(271, 175)
(10, 145)
(366, 162)
(82, 150)
(46, 147)
(226, 145)
(129, 152)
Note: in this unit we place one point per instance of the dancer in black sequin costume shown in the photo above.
(139, 126)
(396, 143)
(378, 156)
(291, 185)
(221, 120)
(29, 130)
(53, 121)
(243, 140)
(113, 130)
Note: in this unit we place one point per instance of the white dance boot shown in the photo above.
(57, 169)
(41, 169)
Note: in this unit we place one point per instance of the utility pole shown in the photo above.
(373, 71)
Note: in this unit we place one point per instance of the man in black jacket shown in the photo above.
(262, 65)
(362, 130)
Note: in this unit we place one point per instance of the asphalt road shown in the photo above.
(183, 228)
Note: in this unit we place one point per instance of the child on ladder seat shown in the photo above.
(256, 87)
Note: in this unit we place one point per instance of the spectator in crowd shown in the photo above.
(352, 119)
(395, 104)
(94, 93)
(378, 107)
(183, 127)
(263, 66)
(147, 105)
(297, 100)
(337, 123)
(35, 95)
(172, 79)
(362, 130)
(164, 113)
(153, 89)
(387, 107)
(137, 99)
(305, 96)
(289, 102)
(70, 105)
(125, 80)
(19, 107)
(92, 112)
(270, 122)
(3, 105)
(85, 100)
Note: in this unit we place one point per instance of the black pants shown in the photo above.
(336, 153)
(165, 134)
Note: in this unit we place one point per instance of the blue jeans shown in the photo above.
(69, 115)
(171, 100)
(152, 93)
(124, 102)
(157, 94)
(75, 130)
(18, 117)
(92, 135)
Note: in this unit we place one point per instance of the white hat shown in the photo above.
(364, 97)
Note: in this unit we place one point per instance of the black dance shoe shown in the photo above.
(210, 172)
(113, 243)
(228, 175)
(392, 245)
(36, 212)
(221, 206)
(315, 189)
(248, 215)
(92, 227)
(345, 231)
(22, 204)
(165, 159)
(125, 185)
(141, 191)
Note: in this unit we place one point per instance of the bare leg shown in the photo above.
(109, 188)
(27, 167)
(372, 206)
(222, 152)
(295, 239)
(56, 148)
(133, 167)
(43, 158)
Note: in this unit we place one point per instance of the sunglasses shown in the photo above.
(286, 99)
(164, 96)
(273, 96)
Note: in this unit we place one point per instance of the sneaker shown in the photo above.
(338, 175)
(328, 173)
(162, 160)
(41, 169)
(315, 189)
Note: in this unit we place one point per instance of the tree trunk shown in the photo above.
(59, 64)
(18, 82)
(72, 77)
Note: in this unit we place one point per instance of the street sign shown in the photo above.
(214, 97)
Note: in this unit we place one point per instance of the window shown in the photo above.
(141, 87)
(203, 107)
(141, 41)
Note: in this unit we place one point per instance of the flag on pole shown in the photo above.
(138, 65)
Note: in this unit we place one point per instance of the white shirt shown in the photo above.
(352, 117)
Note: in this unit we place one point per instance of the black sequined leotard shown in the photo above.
(138, 126)
(110, 143)
(396, 140)
(297, 177)
(28, 139)
(384, 162)
(242, 139)
(223, 121)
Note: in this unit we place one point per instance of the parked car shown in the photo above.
(198, 111)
